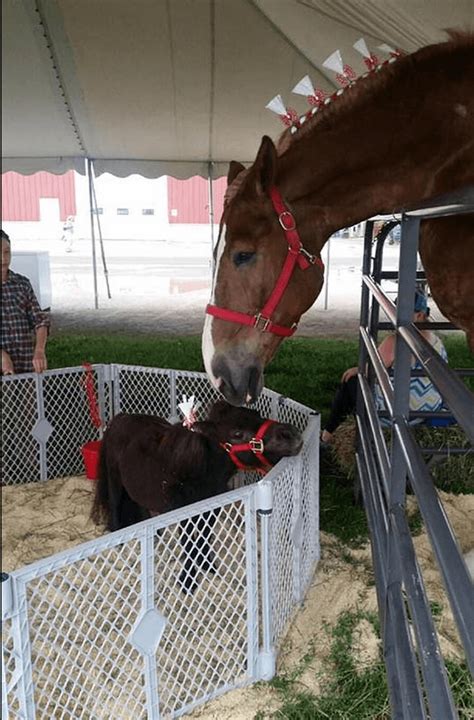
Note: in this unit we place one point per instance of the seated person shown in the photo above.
(423, 394)
(24, 325)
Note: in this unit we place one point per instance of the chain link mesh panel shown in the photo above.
(11, 667)
(66, 409)
(20, 451)
(81, 613)
(142, 390)
(281, 551)
(45, 422)
(310, 549)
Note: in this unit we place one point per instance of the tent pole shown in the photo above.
(328, 264)
(99, 228)
(91, 208)
(210, 166)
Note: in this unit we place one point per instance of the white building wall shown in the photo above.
(134, 193)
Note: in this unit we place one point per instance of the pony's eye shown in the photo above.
(242, 258)
(237, 434)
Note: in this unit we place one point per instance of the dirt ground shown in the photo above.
(185, 316)
(43, 518)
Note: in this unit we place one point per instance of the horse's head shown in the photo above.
(264, 279)
(257, 442)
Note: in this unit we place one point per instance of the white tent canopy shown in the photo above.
(167, 86)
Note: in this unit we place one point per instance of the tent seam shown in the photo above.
(57, 72)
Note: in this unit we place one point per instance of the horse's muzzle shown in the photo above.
(239, 380)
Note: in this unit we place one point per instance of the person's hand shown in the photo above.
(348, 374)
(39, 361)
(7, 364)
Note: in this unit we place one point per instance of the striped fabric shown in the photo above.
(424, 397)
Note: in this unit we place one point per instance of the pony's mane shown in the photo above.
(369, 83)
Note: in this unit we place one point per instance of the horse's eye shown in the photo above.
(242, 258)
(237, 434)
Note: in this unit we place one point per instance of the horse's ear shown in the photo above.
(265, 166)
(235, 168)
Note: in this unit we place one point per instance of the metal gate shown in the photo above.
(415, 668)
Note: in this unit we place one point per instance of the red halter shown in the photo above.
(296, 254)
(255, 445)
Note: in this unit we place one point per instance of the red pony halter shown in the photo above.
(296, 254)
(255, 445)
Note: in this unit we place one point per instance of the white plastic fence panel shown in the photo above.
(294, 530)
(151, 621)
(45, 422)
(108, 630)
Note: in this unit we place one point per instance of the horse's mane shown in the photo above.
(371, 83)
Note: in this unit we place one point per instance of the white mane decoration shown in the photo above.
(277, 105)
(304, 87)
(188, 407)
(334, 62)
(387, 49)
(361, 47)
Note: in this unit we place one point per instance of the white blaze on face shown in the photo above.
(208, 348)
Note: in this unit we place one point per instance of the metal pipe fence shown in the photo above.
(416, 671)
(105, 629)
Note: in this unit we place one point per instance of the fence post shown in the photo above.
(7, 608)
(105, 385)
(267, 655)
(39, 437)
(174, 415)
(147, 597)
(115, 386)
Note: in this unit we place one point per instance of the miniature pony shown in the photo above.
(148, 466)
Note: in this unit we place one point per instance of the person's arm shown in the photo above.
(387, 350)
(7, 364)
(40, 362)
(387, 353)
(40, 322)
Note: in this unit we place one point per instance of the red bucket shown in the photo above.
(90, 453)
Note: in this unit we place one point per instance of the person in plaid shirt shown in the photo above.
(24, 325)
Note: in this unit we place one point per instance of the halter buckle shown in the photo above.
(266, 322)
(256, 446)
(227, 447)
(289, 216)
(310, 258)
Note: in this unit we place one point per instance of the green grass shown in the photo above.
(350, 692)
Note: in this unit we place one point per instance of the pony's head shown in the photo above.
(251, 440)
(264, 280)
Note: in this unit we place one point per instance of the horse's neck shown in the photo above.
(386, 150)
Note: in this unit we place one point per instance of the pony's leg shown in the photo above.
(115, 510)
(205, 555)
(197, 554)
(187, 576)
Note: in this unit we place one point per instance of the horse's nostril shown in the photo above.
(239, 383)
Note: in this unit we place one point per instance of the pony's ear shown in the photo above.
(217, 411)
(235, 168)
(264, 166)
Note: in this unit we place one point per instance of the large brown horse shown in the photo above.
(396, 137)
